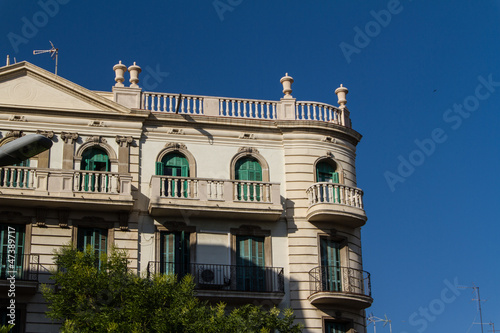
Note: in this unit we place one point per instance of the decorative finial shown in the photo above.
(341, 93)
(134, 75)
(287, 81)
(119, 69)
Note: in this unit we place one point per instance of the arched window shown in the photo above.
(12, 177)
(173, 164)
(249, 170)
(326, 172)
(94, 159)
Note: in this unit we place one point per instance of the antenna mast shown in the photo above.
(374, 320)
(54, 53)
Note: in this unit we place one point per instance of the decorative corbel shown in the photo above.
(175, 145)
(248, 150)
(47, 134)
(15, 134)
(69, 137)
(96, 139)
(124, 141)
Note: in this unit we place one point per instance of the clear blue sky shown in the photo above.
(438, 221)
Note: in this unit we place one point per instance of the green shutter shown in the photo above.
(174, 253)
(248, 168)
(250, 261)
(95, 237)
(330, 265)
(176, 165)
(15, 262)
(94, 159)
(159, 168)
(333, 327)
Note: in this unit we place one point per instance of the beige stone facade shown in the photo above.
(256, 199)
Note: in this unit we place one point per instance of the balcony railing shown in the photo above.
(225, 277)
(96, 182)
(335, 194)
(23, 267)
(339, 280)
(243, 108)
(17, 177)
(214, 189)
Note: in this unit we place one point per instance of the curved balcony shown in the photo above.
(340, 286)
(330, 202)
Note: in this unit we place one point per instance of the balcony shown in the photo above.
(231, 282)
(23, 272)
(71, 189)
(210, 198)
(330, 202)
(244, 108)
(340, 286)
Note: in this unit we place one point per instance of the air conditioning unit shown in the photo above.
(210, 278)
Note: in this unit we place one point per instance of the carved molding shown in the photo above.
(69, 137)
(248, 150)
(330, 154)
(17, 117)
(329, 139)
(124, 141)
(96, 139)
(47, 134)
(175, 131)
(15, 134)
(97, 123)
(247, 136)
(175, 146)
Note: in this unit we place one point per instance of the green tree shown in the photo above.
(88, 297)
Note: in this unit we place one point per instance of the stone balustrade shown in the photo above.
(335, 194)
(244, 108)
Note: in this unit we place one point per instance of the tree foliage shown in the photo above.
(107, 297)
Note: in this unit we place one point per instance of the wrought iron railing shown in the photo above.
(225, 277)
(21, 267)
(339, 279)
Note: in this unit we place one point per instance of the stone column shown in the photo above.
(43, 158)
(124, 143)
(68, 149)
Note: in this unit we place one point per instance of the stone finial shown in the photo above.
(119, 69)
(134, 75)
(8, 60)
(287, 81)
(341, 93)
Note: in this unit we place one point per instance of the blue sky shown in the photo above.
(436, 224)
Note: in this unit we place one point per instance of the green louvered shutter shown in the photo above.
(330, 265)
(248, 168)
(94, 159)
(16, 261)
(176, 165)
(95, 237)
(250, 263)
(326, 173)
(332, 327)
(174, 253)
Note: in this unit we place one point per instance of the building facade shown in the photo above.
(256, 199)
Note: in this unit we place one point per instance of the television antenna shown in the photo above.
(53, 53)
(493, 326)
(374, 320)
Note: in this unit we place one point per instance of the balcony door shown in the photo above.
(326, 173)
(95, 159)
(331, 278)
(174, 253)
(248, 169)
(174, 165)
(97, 238)
(12, 261)
(250, 263)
